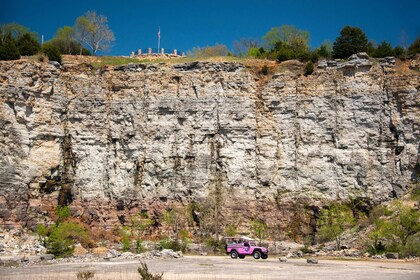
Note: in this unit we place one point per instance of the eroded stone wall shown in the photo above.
(109, 142)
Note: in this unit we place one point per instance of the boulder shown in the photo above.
(47, 257)
(393, 256)
(79, 250)
(100, 251)
(8, 261)
(283, 259)
(312, 261)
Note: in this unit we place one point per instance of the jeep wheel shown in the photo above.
(233, 254)
(256, 255)
(241, 256)
(264, 256)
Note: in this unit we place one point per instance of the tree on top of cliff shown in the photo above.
(65, 40)
(414, 47)
(8, 49)
(16, 31)
(351, 40)
(93, 31)
(27, 45)
(287, 35)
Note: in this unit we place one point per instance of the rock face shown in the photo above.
(109, 142)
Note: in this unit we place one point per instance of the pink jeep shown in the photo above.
(243, 246)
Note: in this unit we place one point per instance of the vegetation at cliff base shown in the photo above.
(60, 238)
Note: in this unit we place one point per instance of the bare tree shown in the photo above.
(93, 31)
(242, 47)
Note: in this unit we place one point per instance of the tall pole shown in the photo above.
(158, 51)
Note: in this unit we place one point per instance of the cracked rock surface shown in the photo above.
(110, 141)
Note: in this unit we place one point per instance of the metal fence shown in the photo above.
(156, 51)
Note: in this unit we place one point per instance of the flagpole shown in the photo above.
(158, 51)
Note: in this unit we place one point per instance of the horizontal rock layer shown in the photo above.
(141, 136)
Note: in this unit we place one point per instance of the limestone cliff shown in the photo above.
(112, 141)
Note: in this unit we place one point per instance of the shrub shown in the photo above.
(254, 52)
(217, 245)
(52, 52)
(314, 57)
(62, 212)
(27, 45)
(125, 239)
(264, 70)
(143, 270)
(285, 54)
(84, 275)
(171, 244)
(63, 237)
(309, 68)
(9, 51)
(42, 232)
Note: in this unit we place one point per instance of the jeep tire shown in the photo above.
(256, 255)
(233, 254)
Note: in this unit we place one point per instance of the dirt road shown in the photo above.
(217, 267)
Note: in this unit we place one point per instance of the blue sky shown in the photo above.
(186, 23)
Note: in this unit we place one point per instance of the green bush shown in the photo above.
(411, 248)
(63, 237)
(314, 57)
(216, 245)
(27, 45)
(309, 68)
(285, 54)
(171, 244)
(8, 50)
(52, 52)
(125, 238)
(264, 70)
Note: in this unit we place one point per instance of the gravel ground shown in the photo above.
(217, 267)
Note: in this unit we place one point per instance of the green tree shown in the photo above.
(383, 50)
(92, 30)
(27, 45)
(16, 31)
(65, 40)
(8, 49)
(334, 221)
(404, 223)
(351, 40)
(259, 228)
(414, 47)
(297, 40)
(139, 225)
(325, 50)
(399, 51)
